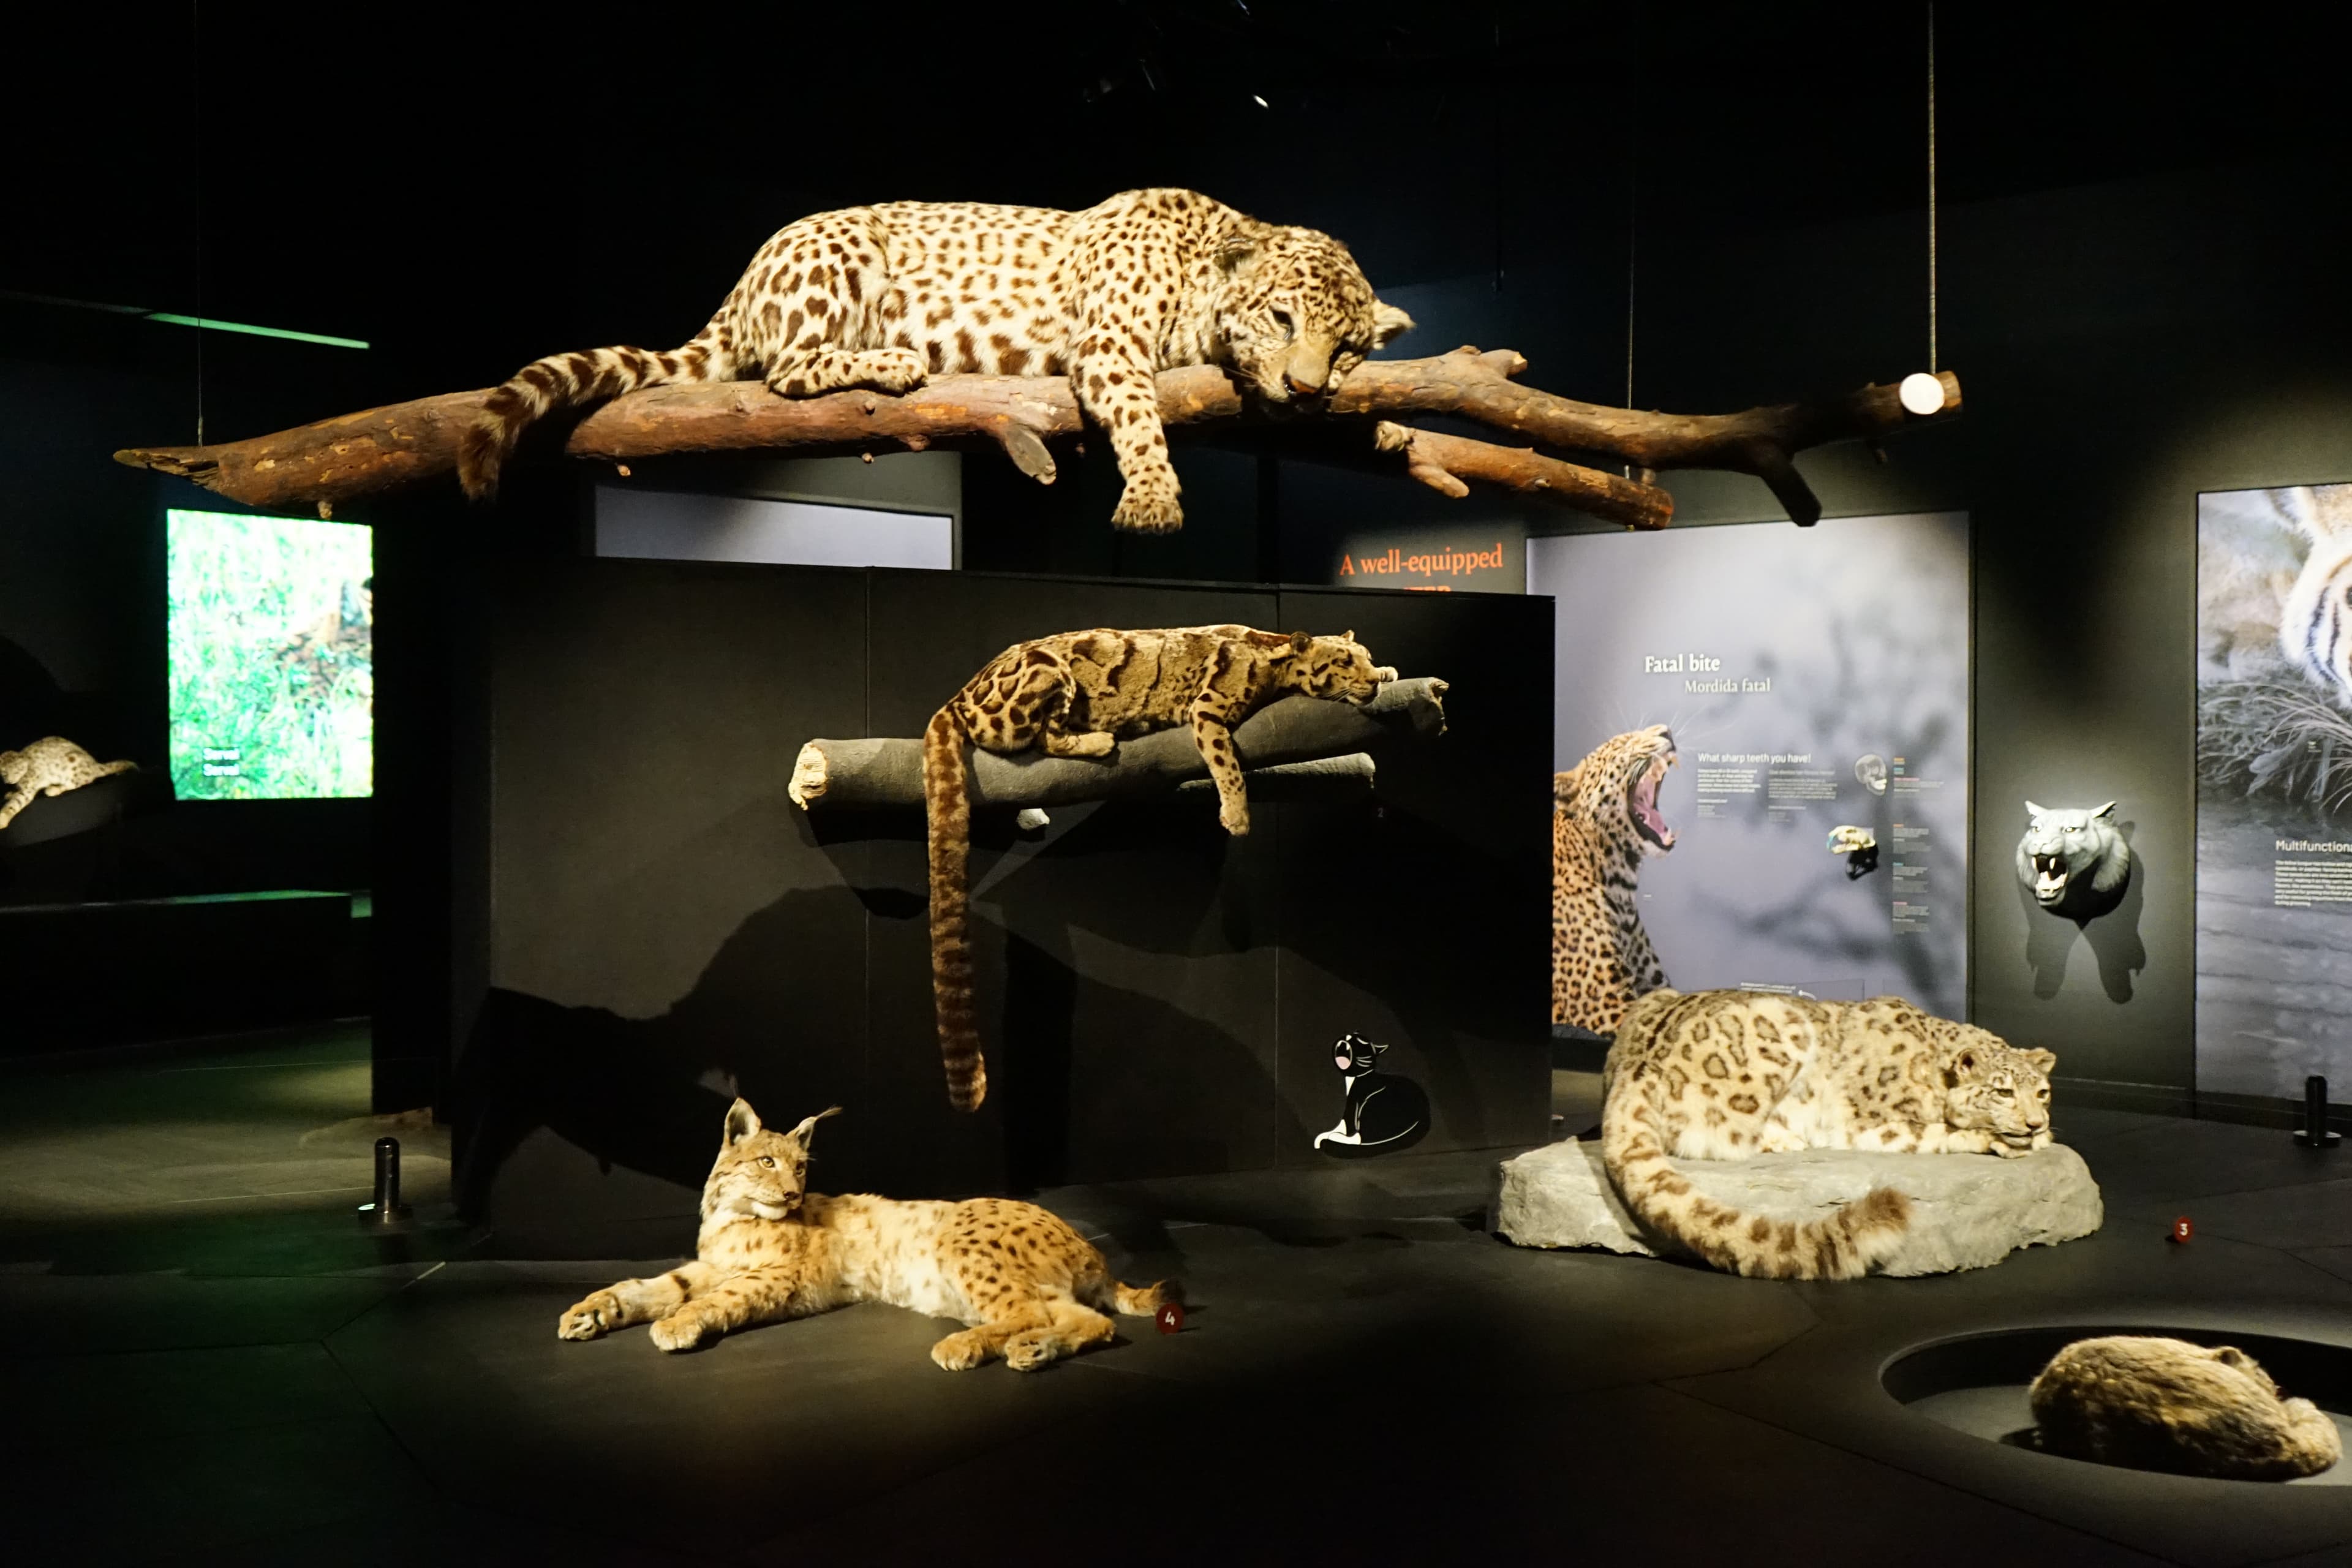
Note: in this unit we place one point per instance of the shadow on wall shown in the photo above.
(2113, 938)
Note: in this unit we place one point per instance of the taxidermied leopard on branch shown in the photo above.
(885, 296)
(1078, 694)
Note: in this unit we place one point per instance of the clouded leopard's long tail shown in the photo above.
(1843, 1246)
(545, 386)
(947, 811)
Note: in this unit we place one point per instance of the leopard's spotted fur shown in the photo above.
(1721, 1075)
(48, 766)
(1605, 821)
(1031, 1288)
(1077, 694)
(885, 296)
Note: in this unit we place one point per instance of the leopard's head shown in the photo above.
(760, 1173)
(1992, 1085)
(1294, 314)
(1339, 667)
(1616, 789)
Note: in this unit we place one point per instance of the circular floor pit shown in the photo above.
(1978, 1383)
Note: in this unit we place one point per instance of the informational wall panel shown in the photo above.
(2274, 790)
(1812, 679)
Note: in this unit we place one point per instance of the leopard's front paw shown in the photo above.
(1235, 818)
(682, 1330)
(590, 1318)
(1149, 505)
(895, 370)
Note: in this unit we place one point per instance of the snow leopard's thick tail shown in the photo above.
(549, 386)
(947, 811)
(1843, 1246)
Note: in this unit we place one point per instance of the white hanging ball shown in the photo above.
(1921, 392)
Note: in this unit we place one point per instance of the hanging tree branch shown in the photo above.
(393, 448)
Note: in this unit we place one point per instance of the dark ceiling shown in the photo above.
(385, 172)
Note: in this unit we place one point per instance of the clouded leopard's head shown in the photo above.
(760, 1172)
(1615, 789)
(1337, 668)
(1992, 1085)
(1294, 312)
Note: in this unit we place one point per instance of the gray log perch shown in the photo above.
(1311, 740)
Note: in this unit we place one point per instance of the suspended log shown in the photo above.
(403, 445)
(1295, 730)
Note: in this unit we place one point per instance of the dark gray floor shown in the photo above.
(203, 1361)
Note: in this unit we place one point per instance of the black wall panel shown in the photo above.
(666, 930)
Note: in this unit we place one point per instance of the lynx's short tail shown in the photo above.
(1843, 1246)
(1143, 1300)
(548, 385)
(947, 810)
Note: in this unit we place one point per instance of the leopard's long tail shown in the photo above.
(947, 812)
(546, 386)
(1843, 1246)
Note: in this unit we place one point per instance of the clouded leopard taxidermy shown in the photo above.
(885, 296)
(1078, 694)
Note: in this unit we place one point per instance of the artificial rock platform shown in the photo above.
(1967, 1211)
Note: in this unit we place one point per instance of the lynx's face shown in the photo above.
(2001, 1089)
(1337, 668)
(759, 1173)
(1296, 314)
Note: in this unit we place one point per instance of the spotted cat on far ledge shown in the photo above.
(1385, 1113)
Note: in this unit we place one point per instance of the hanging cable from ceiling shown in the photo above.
(1922, 390)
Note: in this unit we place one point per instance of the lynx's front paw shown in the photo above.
(1149, 505)
(1034, 1348)
(590, 1318)
(960, 1353)
(683, 1330)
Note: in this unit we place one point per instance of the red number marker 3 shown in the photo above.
(2181, 1229)
(1170, 1317)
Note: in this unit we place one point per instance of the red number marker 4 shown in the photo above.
(1170, 1317)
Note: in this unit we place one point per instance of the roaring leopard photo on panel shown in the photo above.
(884, 297)
(1030, 1290)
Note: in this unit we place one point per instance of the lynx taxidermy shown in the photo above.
(1078, 694)
(1031, 1288)
(2165, 1405)
(885, 296)
(48, 766)
(1722, 1075)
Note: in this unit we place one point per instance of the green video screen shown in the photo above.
(271, 630)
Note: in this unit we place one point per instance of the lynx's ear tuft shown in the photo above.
(741, 1121)
(808, 1125)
